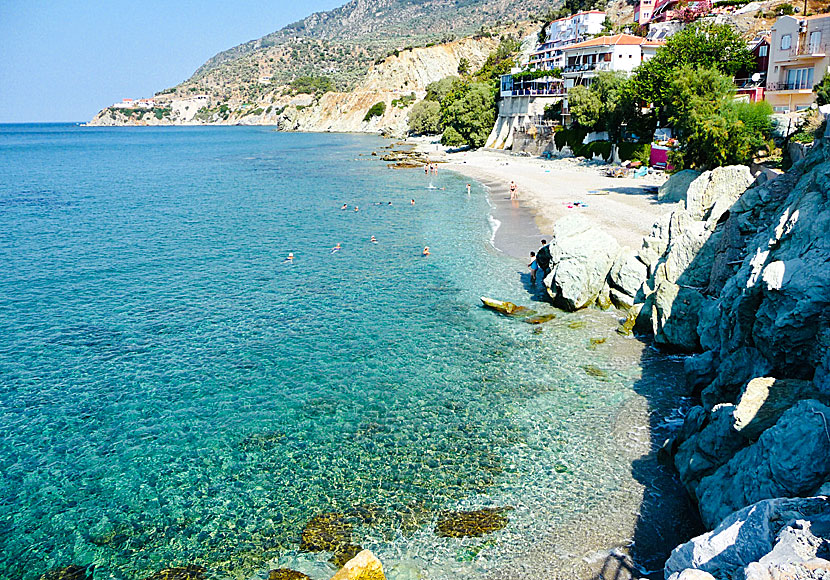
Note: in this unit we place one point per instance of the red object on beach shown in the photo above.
(659, 157)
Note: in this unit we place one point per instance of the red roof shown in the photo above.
(617, 39)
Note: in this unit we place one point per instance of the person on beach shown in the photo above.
(426, 251)
(543, 258)
(336, 248)
(534, 267)
(513, 194)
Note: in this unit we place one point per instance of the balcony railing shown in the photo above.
(816, 49)
(800, 86)
(602, 65)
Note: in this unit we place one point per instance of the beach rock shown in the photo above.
(286, 574)
(581, 257)
(719, 187)
(758, 541)
(675, 187)
(714, 443)
(691, 574)
(628, 273)
(700, 370)
(472, 523)
(655, 244)
(621, 300)
(764, 399)
(329, 532)
(69, 573)
(791, 458)
(675, 317)
(364, 566)
(735, 370)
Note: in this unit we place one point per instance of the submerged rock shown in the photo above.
(69, 573)
(286, 574)
(184, 573)
(594, 371)
(328, 532)
(539, 318)
(364, 566)
(507, 308)
(471, 524)
(344, 554)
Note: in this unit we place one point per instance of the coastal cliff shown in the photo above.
(738, 275)
(398, 81)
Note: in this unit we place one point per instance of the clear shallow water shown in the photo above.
(171, 392)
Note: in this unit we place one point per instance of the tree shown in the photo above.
(701, 44)
(463, 66)
(604, 106)
(425, 118)
(376, 110)
(468, 113)
(713, 129)
(439, 89)
(500, 61)
(822, 91)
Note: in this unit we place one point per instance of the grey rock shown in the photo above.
(691, 574)
(735, 370)
(628, 273)
(675, 187)
(764, 399)
(711, 447)
(722, 184)
(621, 300)
(581, 257)
(753, 539)
(700, 370)
(675, 317)
(790, 459)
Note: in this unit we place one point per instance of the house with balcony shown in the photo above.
(620, 52)
(797, 61)
(564, 32)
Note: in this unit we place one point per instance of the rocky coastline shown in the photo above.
(737, 277)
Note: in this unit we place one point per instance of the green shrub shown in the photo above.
(439, 89)
(470, 111)
(312, 85)
(425, 118)
(376, 110)
(634, 152)
(404, 101)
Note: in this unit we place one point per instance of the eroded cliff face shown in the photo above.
(398, 81)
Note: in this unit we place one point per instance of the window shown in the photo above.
(799, 78)
(762, 50)
(781, 109)
(786, 42)
(815, 42)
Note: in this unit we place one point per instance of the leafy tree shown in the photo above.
(822, 91)
(714, 129)
(501, 60)
(604, 106)
(468, 113)
(376, 110)
(702, 44)
(425, 118)
(439, 89)
(463, 66)
(312, 85)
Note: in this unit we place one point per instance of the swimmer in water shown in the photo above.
(289, 259)
(335, 248)
(356, 208)
(411, 202)
(374, 240)
(345, 206)
(426, 251)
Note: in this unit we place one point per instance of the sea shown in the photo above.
(174, 391)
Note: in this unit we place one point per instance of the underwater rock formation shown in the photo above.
(471, 524)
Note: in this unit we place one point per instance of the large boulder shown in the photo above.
(719, 187)
(364, 566)
(675, 317)
(735, 370)
(758, 541)
(581, 257)
(675, 187)
(628, 273)
(764, 399)
(790, 459)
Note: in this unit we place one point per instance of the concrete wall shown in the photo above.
(515, 112)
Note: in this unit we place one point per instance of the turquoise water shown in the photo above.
(172, 392)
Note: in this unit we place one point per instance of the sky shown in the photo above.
(64, 60)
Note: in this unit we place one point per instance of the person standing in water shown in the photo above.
(534, 268)
(468, 189)
(426, 251)
(513, 194)
(411, 202)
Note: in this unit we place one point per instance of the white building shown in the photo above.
(564, 32)
(621, 52)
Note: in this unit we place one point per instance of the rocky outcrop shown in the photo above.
(581, 258)
(364, 566)
(773, 539)
(676, 186)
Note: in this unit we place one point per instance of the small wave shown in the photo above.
(494, 227)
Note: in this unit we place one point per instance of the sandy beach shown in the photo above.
(624, 207)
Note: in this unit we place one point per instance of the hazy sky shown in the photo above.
(63, 60)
